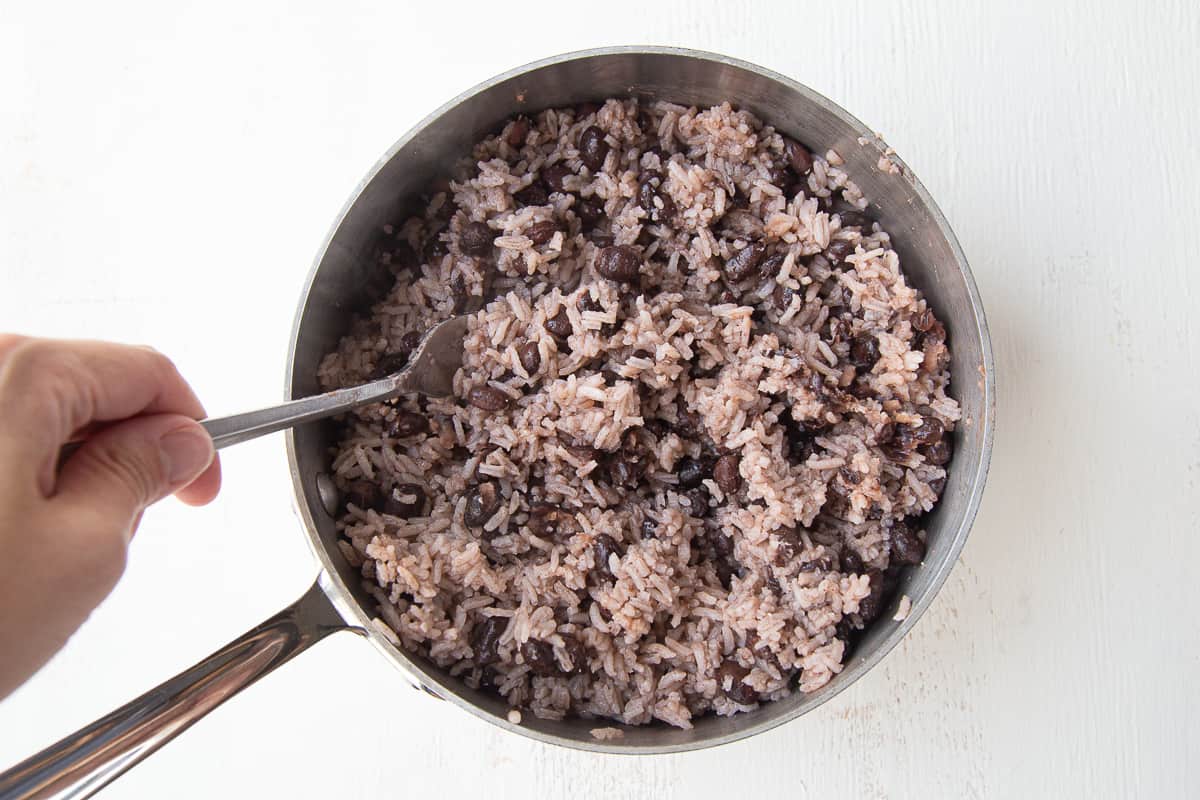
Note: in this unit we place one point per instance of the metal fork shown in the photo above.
(430, 371)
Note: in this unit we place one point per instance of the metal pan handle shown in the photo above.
(88, 760)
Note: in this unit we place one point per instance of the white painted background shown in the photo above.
(167, 171)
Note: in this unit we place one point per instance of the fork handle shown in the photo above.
(237, 428)
(248, 425)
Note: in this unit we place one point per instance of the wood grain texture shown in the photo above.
(168, 172)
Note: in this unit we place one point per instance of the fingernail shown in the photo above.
(187, 453)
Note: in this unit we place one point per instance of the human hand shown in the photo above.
(64, 532)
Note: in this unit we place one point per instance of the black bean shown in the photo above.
(928, 431)
(649, 529)
(936, 333)
(485, 639)
(667, 212)
(731, 674)
(482, 503)
(588, 303)
(458, 291)
(864, 351)
(745, 262)
(410, 341)
(799, 159)
(657, 427)
(539, 657)
(690, 472)
(559, 326)
(770, 266)
(475, 239)
(898, 451)
(542, 232)
(593, 149)
(407, 423)
(845, 631)
(696, 501)
(853, 218)
(624, 472)
(798, 440)
(547, 521)
(601, 237)
(531, 357)
(650, 189)
(782, 297)
(838, 250)
(739, 223)
(726, 569)
(406, 500)
(584, 452)
(590, 211)
(939, 452)
(688, 423)
(488, 398)
(924, 321)
(819, 564)
(849, 476)
(586, 110)
(388, 364)
(363, 494)
(725, 473)
(907, 547)
(619, 263)
(937, 485)
(553, 176)
(777, 173)
(886, 433)
(532, 195)
(603, 547)
(787, 547)
(871, 606)
(722, 545)
(577, 653)
(851, 561)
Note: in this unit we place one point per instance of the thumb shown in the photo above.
(124, 468)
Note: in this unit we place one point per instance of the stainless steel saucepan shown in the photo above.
(86, 761)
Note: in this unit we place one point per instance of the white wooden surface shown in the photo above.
(167, 172)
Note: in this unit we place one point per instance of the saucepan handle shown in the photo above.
(85, 762)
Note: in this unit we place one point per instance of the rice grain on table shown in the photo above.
(558, 530)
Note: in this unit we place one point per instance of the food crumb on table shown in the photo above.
(606, 734)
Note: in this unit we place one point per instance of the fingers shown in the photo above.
(64, 533)
(204, 489)
(111, 479)
(58, 387)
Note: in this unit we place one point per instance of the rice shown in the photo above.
(700, 416)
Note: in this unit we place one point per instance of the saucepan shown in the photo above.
(87, 760)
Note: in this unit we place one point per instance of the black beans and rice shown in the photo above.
(700, 417)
